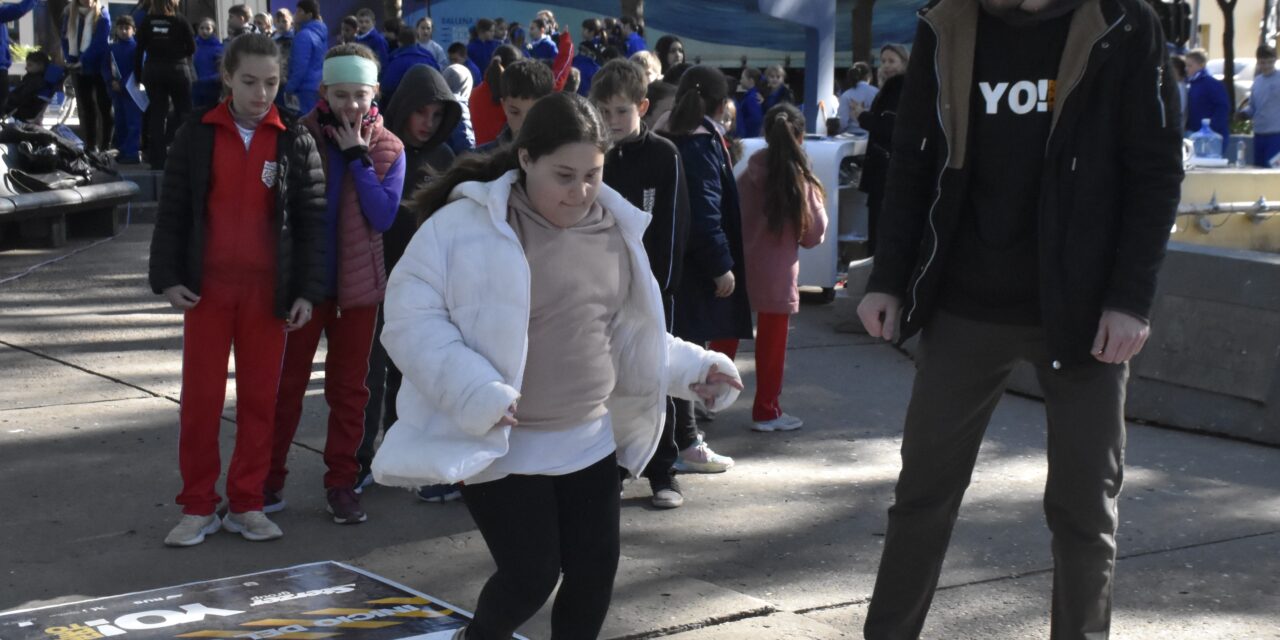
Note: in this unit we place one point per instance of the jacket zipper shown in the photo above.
(933, 229)
(1061, 103)
(1160, 96)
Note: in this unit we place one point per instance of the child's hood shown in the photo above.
(423, 85)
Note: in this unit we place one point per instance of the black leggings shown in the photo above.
(96, 124)
(538, 527)
(167, 82)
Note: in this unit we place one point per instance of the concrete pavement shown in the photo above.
(783, 546)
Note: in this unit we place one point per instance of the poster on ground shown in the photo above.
(307, 602)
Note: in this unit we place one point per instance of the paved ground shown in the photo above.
(783, 546)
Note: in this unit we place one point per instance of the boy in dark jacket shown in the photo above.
(1022, 230)
(423, 115)
(645, 168)
(405, 57)
(523, 84)
(118, 67)
(30, 98)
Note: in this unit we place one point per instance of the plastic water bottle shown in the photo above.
(1242, 157)
(1206, 142)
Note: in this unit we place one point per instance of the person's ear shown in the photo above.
(525, 162)
(643, 107)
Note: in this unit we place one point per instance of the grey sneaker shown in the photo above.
(273, 501)
(666, 492)
(784, 422)
(191, 530)
(253, 525)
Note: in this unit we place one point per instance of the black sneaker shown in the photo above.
(344, 504)
(439, 492)
(666, 492)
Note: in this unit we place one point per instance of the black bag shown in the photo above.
(23, 182)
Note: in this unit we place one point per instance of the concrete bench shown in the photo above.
(46, 217)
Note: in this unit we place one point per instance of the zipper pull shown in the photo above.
(339, 313)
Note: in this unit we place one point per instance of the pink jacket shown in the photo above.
(773, 260)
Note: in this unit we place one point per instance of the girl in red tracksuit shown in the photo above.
(782, 211)
(237, 248)
(365, 168)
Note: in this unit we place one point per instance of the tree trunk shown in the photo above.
(1229, 51)
(635, 9)
(862, 30)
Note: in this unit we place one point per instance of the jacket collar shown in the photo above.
(494, 195)
(221, 116)
(955, 25)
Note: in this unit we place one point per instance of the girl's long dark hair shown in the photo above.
(790, 177)
(554, 121)
(503, 57)
(663, 47)
(701, 93)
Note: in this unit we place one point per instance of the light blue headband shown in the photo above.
(350, 70)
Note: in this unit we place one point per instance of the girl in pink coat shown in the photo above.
(782, 210)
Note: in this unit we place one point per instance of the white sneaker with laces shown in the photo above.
(784, 422)
(191, 530)
(253, 525)
(699, 458)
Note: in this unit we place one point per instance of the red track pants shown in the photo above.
(771, 355)
(240, 314)
(350, 336)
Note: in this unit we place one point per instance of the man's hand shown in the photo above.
(1120, 337)
(182, 298)
(879, 314)
(725, 285)
(707, 389)
(509, 420)
(299, 315)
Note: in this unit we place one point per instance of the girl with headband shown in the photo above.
(365, 168)
(237, 248)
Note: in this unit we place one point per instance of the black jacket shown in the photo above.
(177, 244)
(714, 246)
(647, 172)
(428, 86)
(1111, 181)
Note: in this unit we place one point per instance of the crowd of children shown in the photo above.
(526, 293)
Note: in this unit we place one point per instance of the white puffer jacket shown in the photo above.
(457, 323)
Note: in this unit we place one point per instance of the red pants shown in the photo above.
(239, 313)
(771, 355)
(350, 336)
(727, 346)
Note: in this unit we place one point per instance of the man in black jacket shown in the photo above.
(645, 168)
(1035, 175)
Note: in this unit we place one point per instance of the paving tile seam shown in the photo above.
(1037, 572)
(74, 404)
(759, 612)
(150, 393)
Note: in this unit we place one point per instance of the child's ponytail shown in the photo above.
(790, 176)
(701, 93)
(503, 57)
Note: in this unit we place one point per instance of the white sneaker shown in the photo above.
(699, 458)
(191, 530)
(784, 422)
(253, 525)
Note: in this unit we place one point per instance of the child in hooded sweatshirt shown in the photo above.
(423, 115)
(207, 87)
(459, 80)
(238, 247)
(530, 330)
(645, 169)
(365, 170)
(782, 210)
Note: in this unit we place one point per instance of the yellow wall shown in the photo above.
(1231, 230)
(1248, 15)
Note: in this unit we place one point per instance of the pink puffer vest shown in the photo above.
(362, 270)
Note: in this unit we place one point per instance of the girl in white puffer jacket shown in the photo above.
(531, 336)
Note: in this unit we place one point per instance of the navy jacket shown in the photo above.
(481, 52)
(714, 244)
(1207, 98)
(376, 42)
